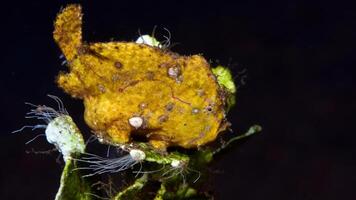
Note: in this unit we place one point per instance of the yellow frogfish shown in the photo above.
(136, 91)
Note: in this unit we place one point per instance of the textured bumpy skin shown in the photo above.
(176, 96)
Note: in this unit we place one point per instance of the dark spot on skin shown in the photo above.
(83, 49)
(201, 92)
(185, 124)
(162, 118)
(184, 64)
(159, 51)
(118, 65)
(170, 106)
(116, 47)
(142, 106)
(209, 108)
(100, 49)
(150, 75)
(101, 88)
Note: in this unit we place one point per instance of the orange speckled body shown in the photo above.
(177, 97)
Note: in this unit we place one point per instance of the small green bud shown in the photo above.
(224, 77)
(149, 40)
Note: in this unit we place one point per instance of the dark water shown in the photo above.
(299, 58)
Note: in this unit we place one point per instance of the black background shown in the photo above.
(299, 61)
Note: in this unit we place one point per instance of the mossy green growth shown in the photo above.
(225, 80)
(161, 192)
(153, 156)
(223, 74)
(131, 191)
(72, 185)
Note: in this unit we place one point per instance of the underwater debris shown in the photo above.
(114, 77)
